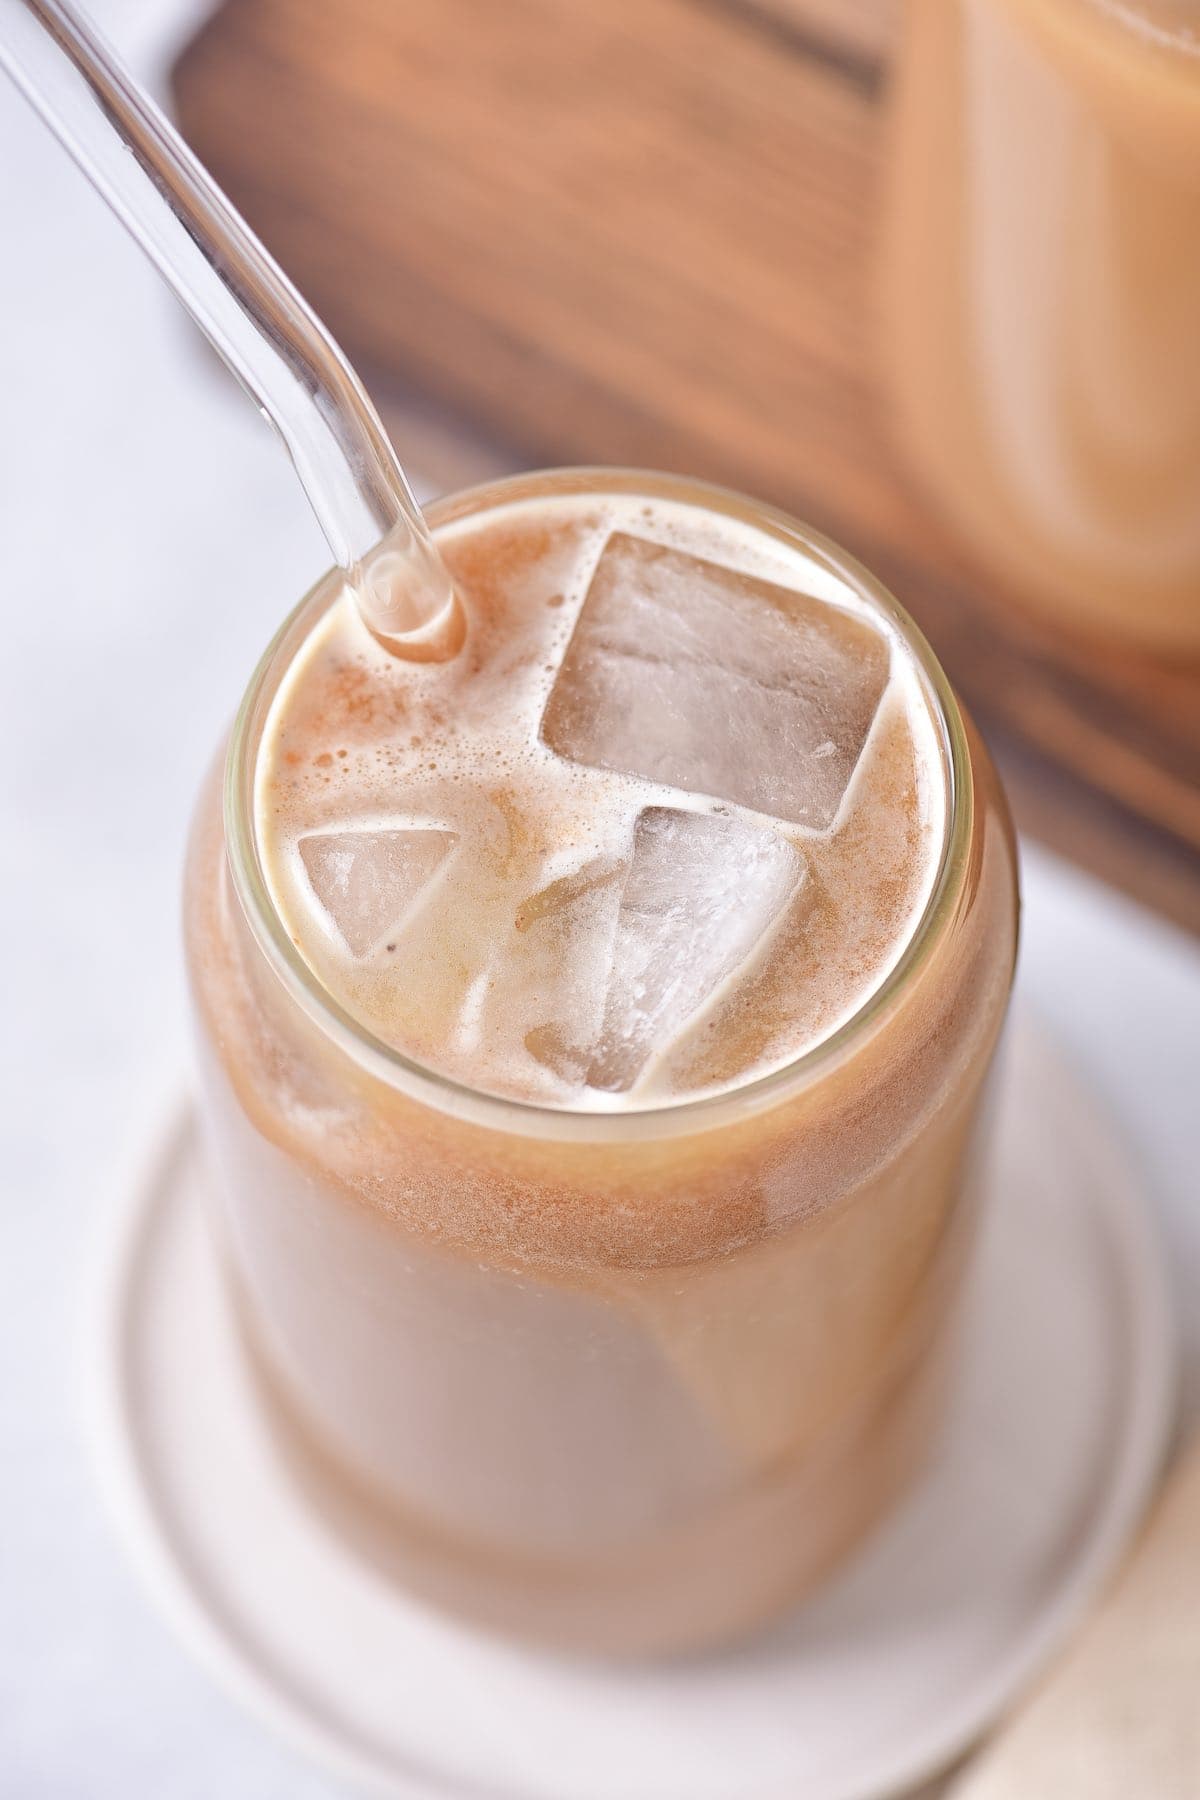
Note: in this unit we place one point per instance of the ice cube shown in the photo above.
(702, 892)
(557, 967)
(368, 880)
(694, 675)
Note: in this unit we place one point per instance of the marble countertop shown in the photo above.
(151, 537)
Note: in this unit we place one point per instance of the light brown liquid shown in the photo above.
(597, 1372)
(1043, 288)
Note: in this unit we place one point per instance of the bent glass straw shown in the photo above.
(244, 303)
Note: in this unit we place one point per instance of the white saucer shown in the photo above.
(1057, 1430)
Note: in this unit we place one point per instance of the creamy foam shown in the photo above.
(467, 891)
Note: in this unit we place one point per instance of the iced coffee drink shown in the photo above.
(595, 1032)
(1042, 296)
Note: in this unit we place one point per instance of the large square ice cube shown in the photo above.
(697, 676)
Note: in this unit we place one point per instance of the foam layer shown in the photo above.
(667, 820)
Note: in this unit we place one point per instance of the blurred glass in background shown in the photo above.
(1043, 297)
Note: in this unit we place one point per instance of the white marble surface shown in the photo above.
(151, 536)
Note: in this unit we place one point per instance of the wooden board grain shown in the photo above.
(645, 232)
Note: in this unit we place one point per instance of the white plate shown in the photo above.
(1056, 1433)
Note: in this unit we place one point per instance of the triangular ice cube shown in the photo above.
(368, 880)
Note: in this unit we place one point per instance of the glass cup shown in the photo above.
(1042, 292)
(658, 1419)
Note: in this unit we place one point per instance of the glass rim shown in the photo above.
(687, 1113)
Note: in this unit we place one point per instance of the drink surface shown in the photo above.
(667, 821)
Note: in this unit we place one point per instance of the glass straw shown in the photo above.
(244, 303)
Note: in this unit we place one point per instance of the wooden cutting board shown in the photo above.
(643, 231)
